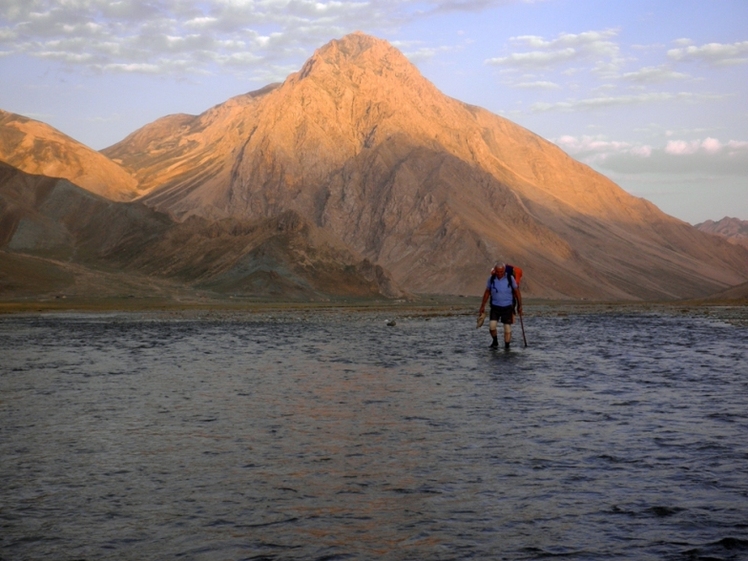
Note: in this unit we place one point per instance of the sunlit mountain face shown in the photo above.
(416, 191)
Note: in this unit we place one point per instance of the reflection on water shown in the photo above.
(336, 436)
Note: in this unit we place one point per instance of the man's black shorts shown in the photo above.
(505, 314)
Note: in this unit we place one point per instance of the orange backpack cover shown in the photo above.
(514, 271)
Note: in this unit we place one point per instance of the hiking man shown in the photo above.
(503, 291)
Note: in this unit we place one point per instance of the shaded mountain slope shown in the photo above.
(432, 189)
(739, 292)
(53, 227)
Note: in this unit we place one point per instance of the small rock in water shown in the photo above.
(391, 322)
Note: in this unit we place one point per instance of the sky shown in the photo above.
(653, 94)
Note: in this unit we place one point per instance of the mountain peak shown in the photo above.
(358, 50)
(354, 44)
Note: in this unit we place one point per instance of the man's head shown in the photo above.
(499, 268)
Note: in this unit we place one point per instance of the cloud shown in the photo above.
(653, 74)
(709, 145)
(683, 42)
(597, 149)
(597, 40)
(132, 68)
(566, 47)
(621, 100)
(682, 148)
(539, 59)
(717, 54)
(709, 156)
(425, 53)
(445, 6)
(195, 35)
(538, 85)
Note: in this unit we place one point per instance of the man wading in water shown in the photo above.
(503, 291)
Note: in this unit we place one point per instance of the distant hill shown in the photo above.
(733, 230)
(58, 238)
(37, 148)
(739, 292)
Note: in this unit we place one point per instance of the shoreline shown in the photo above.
(732, 311)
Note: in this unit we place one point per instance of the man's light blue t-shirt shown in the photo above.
(501, 294)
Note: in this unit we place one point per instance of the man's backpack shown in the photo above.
(513, 271)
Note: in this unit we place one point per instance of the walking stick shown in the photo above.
(522, 323)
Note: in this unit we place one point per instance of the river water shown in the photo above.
(333, 435)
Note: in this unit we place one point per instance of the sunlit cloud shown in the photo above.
(707, 146)
(707, 156)
(718, 54)
(596, 149)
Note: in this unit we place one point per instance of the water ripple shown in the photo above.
(336, 436)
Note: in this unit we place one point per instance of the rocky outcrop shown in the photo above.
(733, 230)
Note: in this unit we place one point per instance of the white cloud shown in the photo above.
(133, 68)
(683, 42)
(536, 58)
(595, 149)
(682, 147)
(425, 53)
(201, 22)
(161, 35)
(444, 6)
(654, 74)
(538, 85)
(597, 54)
(706, 146)
(598, 40)
(708, 156)
(718, 54)
(621, 100)
(240, 59)
(593, 45)
(736, 145)
(711, 145)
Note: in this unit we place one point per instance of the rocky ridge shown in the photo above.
(733, 230)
